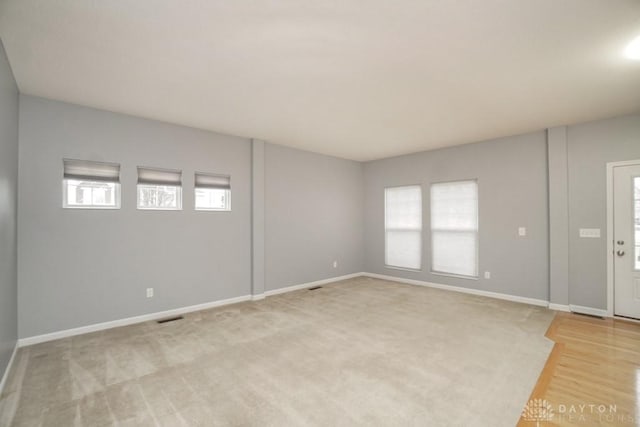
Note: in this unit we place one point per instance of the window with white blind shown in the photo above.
(90, 185)
(159, 189)
(212, 192)
(454, 228)
(403, 227)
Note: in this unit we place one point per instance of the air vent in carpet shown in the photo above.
(170, 319)
(315, 287)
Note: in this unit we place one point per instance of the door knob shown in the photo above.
(620, 242)
(620, 253)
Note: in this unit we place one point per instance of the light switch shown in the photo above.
(590, 233)
(522, 231)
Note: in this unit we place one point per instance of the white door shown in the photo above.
(626, 244)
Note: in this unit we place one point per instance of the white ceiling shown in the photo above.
(360, 79)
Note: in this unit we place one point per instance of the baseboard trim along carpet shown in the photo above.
(312, 284)
(507, 297)
(8, 368)
(23, 342)
(559, 307)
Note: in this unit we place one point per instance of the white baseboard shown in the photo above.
(5, 376)
(23, 342)
(589, 310)
(559, 307)
(507, 297)
(312, 284)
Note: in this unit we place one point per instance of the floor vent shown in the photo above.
(315, 287)
(170, 319)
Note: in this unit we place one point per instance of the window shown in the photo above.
(159, 189)
(403, 227)
(90, 185)
(212, 192)
(454, 228)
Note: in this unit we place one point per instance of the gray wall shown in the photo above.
(590, 147)
(79, 267)
(558, 216)
(313, 216)
(8, 211)
(512, 179)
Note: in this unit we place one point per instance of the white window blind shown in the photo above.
(205, 180)
(454, 228)
(84, 170)
(152, 176)
(403, 227)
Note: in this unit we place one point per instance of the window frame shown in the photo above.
(152, 176)
(212, 181)
(91, 171)
(395, 267)
(477, 231)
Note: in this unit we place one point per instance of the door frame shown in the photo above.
(610, 236)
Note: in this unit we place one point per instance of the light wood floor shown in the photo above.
(592, 376)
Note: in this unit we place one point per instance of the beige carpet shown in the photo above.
(358, 352)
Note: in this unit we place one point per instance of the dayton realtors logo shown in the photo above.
(537, 410)
(540, 410)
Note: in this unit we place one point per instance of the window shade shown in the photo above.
(454, 228)
(403, 227)
(152, 176)
(84, 170)
(204, 180)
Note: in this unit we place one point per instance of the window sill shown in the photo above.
(411, 270)
(455, 276)
(86, 208)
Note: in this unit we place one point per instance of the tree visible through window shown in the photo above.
(158, 197)
(90, 193)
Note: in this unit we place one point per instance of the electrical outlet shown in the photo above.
(522, 231)
(335, 264)
(149, 292)
(487, 275)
